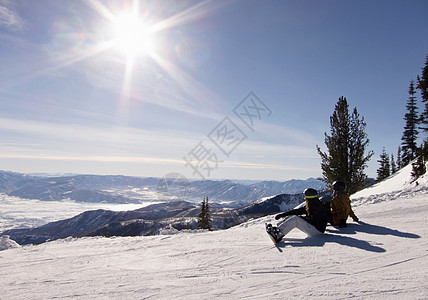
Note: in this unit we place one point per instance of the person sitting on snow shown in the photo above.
(341, 205)
(313, 223)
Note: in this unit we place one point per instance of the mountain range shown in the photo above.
(231, 203)
(151, 220)
(127, 189)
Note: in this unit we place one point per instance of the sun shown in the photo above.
(132, 36)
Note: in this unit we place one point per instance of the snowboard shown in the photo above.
(273, 233)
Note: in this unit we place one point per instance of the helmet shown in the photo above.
(339, 186)
(310, 193)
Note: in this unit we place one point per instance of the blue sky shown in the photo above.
(220, 89)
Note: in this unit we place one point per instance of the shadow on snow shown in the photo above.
(373, 229)
(328, 237)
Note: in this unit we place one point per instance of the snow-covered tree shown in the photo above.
(410, 134)
(345, 158)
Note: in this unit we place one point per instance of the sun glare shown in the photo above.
(132, 36)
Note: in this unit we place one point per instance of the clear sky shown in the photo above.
(207, 89)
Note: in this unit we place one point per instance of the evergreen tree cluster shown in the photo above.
(409, 151)
(419, 165)
(204, 218)
(346, 158)
(423, 88)
(410, 134)
(384, 170)
(388, 165)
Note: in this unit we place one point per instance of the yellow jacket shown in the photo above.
(341, 208)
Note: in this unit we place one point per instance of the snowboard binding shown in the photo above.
(275, 233)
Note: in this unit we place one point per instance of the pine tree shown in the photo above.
(399, 162)
(423, 87)
(346, 159)
(419, 165)
(204, 218)
(418, 168)
(393, 165)
(410, 134)
(384, 169)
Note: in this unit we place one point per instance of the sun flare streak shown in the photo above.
(58, 63)
(192, 14)
(132, 40)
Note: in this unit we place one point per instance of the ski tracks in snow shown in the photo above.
(383, 257)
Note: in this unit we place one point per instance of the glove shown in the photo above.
(277, 217)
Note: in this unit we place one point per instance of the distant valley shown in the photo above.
(120, 189)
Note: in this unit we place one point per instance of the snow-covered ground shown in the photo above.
(399, 182)
(382, 257)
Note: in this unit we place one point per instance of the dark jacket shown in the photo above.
(314, 211)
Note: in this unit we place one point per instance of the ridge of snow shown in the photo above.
(397, 182)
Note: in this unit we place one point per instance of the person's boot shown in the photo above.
(279, 235)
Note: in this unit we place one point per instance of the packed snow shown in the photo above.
(384, 256)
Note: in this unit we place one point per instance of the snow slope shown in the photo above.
(399, 182)
(382, 257)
